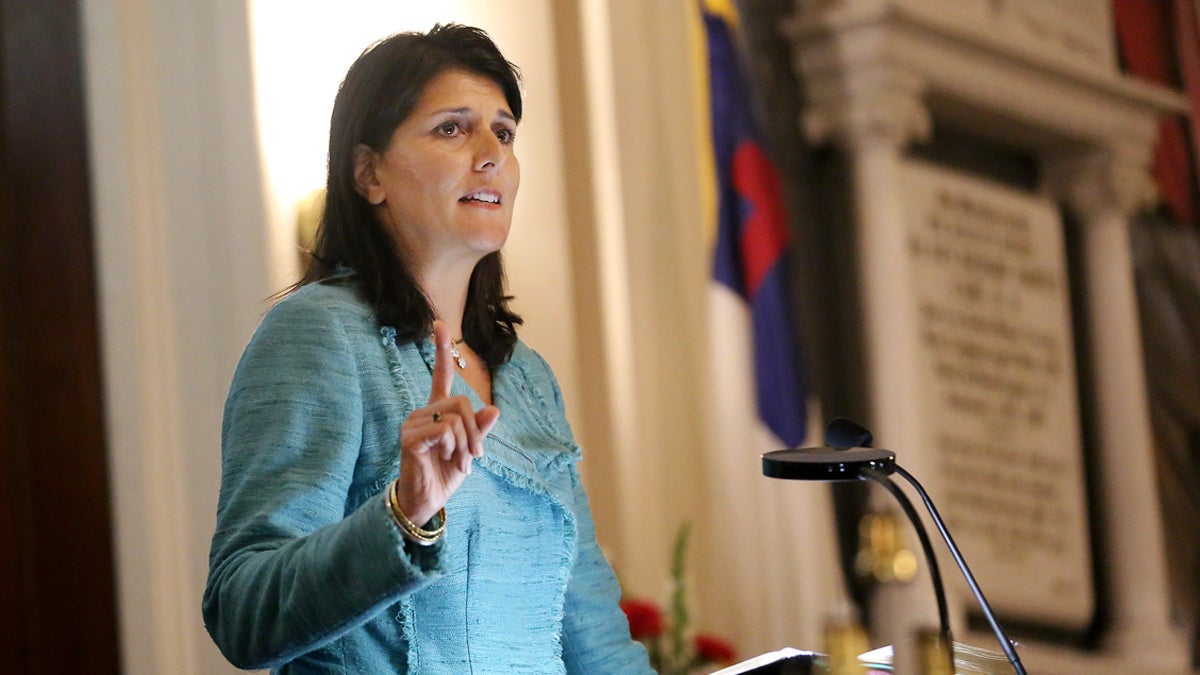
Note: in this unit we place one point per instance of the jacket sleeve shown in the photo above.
(289, 569)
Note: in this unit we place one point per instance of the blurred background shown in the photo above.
(161, 159)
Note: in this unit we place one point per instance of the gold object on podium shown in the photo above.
(844, 640)
(934, 653)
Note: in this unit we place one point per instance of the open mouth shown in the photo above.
(483, 197)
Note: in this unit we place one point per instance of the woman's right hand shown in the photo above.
(439, 441)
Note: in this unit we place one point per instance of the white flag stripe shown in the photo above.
(772, 545)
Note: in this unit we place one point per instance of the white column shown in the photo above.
(889, 328)
(1103, 189)
(874, 124)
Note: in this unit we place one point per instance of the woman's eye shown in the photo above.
(506, 136)
(448, 128)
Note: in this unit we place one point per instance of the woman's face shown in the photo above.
(445, 185)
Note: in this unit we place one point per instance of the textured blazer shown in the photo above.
(309, 574)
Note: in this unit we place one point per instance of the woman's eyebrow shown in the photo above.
(453, 111)
(466, 111)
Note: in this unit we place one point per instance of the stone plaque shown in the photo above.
(998, 388)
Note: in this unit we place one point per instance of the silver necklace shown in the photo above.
(458, 357)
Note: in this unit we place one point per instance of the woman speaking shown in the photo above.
(399, 484)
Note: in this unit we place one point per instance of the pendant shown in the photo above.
(458, 358)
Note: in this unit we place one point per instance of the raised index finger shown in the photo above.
(443, 363)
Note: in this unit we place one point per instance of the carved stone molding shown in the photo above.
(867, 106)
(892, 65)
(1072, 33)
(1111, 181)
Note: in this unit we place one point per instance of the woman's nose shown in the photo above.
(489, 153)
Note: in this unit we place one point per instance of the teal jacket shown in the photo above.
(309, 574)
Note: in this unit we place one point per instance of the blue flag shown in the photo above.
(752, 237)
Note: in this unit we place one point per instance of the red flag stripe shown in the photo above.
(764, 233)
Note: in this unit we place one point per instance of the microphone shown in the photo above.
(843, 433)
(850, 454)
(850, 457)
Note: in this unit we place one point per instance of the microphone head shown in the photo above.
(842, 433)
(827, 464)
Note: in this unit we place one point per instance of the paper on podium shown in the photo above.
(968, 660)
(786, 661)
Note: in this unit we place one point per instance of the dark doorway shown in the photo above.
(57, 598)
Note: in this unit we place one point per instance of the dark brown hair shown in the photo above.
(378, 93)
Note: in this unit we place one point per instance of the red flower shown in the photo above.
(645, 618)
(714, 649)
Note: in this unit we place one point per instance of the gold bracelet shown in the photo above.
(407, 527)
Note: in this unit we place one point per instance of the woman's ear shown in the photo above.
(365, 178)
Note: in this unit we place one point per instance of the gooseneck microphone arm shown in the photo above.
(1005, 643)
(935, 573)
(851, 458)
